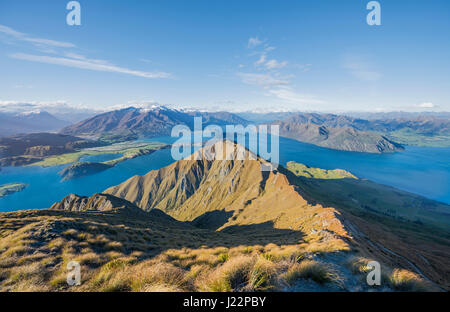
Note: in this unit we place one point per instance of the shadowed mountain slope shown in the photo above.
(190, 188)
(229, 227)
(339, 138)
(238, 192)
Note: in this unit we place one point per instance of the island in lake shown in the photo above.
(11, 188)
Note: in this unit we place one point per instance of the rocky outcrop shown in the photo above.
(97, 202)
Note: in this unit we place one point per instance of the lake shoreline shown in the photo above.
(417, 170)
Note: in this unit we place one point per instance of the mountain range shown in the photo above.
(157, 121)
(422, 124)
(332, 131)
(211, 225)
(29, 122)
(339, 137)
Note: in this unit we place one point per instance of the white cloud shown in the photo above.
(67, 57)
(288, 95)
(270, 77)
(427, 105)
(274, 64)
(261, 60)
(253, 42)
(263, 80)
(59, 109)
(36, 41)
(85, 63)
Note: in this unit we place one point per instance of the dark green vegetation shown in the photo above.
(11, 188)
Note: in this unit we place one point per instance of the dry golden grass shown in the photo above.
(135, 254)
(403, 280)
(233, 275)
(310, 269)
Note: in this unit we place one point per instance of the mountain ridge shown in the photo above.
(157, 121)
(338, 138)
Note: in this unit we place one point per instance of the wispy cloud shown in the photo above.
(287, 94)
(262, 80)
(254, 42)
(427, 105)
(85, 63)
(272, 75)
(262, 59)
(54, 107)
(35, 41)
(64, 54)
(269, 64)
(274, 64)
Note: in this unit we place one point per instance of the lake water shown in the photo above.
(420, 170)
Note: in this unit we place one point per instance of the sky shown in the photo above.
(227, 55)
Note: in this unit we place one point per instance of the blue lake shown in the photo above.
(420, 170)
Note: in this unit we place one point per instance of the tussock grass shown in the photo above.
(142, 277)
(122, 254)
(223, 257)
(262, 275)
(310, 269)
(403, 280)
(233, 275)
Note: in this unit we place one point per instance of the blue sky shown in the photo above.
(231, 55)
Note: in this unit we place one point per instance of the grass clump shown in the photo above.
(403, 280)
(223, 257)
(262, 275)
(309, 269)
(233, 275)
